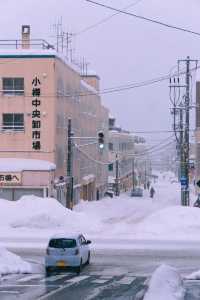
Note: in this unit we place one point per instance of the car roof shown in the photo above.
(65, 236)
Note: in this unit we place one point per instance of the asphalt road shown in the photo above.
(113, 274)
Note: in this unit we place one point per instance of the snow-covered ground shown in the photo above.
(32, 219)
(165, 284)
(11, 263)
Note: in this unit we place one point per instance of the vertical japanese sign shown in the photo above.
(36, 114)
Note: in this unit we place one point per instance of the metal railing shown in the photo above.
(23, 44)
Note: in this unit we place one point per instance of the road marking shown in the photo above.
(146, 282)
(27, 278)
(106, 277)
(70, 282)
(53, 278)
(126, 280)
(46, 296)
(10, 292)
(101, 281)
(77, 279)
(27, 285)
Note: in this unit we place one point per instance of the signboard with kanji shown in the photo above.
(36, 114)
(10, 178)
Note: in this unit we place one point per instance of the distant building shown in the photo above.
(121, 148)
(39, 91)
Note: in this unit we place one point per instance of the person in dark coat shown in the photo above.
(152, 192)
(148, 185)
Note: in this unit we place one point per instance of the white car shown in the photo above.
(66, 251)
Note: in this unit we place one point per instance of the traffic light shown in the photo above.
(101, 139)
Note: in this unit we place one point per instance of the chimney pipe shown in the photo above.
(26, 36)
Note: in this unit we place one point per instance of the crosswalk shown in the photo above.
(12, 286)
(67, 278)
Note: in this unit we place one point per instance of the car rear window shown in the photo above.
(62, 243)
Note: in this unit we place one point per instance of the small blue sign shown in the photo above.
(183, 180)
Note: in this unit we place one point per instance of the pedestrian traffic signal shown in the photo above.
(101, 139)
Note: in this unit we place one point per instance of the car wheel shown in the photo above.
(88, 260)
(79, 268)
(48, 271)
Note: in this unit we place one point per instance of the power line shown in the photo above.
(145, 18)
(153, 151)
(110, 90)
(104, 20)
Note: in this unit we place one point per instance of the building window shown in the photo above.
(110, 167)
(13, 86)
(13, 122)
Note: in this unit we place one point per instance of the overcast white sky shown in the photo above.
(122, 50)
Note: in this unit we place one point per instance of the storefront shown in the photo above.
(19, 177)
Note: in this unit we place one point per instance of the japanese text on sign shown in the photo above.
(10, 178)
(36, 114)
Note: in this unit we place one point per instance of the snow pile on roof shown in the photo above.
(44, 213)
(88, 87)
(11, 263)
(23, 164)
(165, 284)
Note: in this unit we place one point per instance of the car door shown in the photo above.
(84, 249)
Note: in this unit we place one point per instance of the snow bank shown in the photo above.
(11, 263)
(165, 284)
(32, 212)
(194, 275)
(172, 223)
(124, 217)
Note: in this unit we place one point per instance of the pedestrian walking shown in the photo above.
(148, 185)
(152, 192)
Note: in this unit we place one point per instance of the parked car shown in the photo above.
(109, 193)
(65, 251)
(137, 192)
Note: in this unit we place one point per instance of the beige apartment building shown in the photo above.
(39, 92)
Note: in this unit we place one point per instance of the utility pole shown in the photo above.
(133, 173)
(187, 128)
(184, 126)
(145, 175)
(186, 135)
(181, 152)
(69, 200)
(117, 191)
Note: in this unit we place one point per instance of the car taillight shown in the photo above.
(76, 251)
(48, 252)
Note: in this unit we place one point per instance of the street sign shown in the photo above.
(183, 180)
